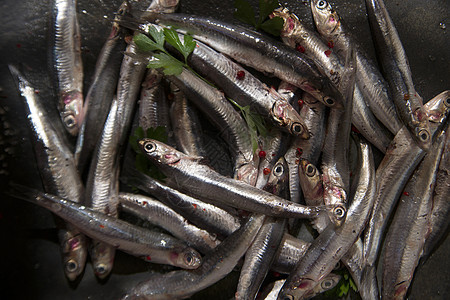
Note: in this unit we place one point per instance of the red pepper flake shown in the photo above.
(148, 257)
(300, 49)
(102, 226)
(406, 193)
(406, 97)
(354, 129)
(299, 151)
(18, 45)
(328, 53)
(266, 171)
(262, 154)
(144, 203)
(194, 205)
(204, 209)
(273, 154)
(37, 92)
(330, 44)
(240, 75)
(300, 103)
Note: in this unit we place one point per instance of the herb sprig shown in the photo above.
(245, 13)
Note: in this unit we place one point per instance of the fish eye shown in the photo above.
(278, 170)
(322, 4)
(339, 212)
(424, 135)
(100, 269)
(326, 284)
(69, 121)
(329, 101)
(149, 147)
(71, 265)
(310, 170)
(297, 128)
(447, 102)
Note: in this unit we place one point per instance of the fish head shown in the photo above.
(74, 254)
(72, 112)
(310, 180)
(286, 116)
(291, 22)
(102, 257)
(159, 152)
(326, 284)
(188, 258)
(438, 107)
(278, 178)
(325, 17)
(296, 288)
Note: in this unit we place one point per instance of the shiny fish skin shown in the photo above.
(246, 89)
(200, 180)
(150, 246)
(256, 50)
(400, 160)
(407, 233)
(186, 124)
(163, 216)
(331, 245)
(295, 33)
(439, 221)
(102, 188)
(101, 92)
(216, 265)
(204, 215)
(330, 26)
(68, 65)
(58, 172)
(289, 253)
(396, 70)
(153, 104)
(219, 110)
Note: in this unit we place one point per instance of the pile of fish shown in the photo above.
(222, 204)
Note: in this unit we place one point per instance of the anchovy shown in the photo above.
(257, 51)
(331, 245)
(326, 284)
(101, 92)
(219, 110)
(186, 124)
(153, 104)
(439, 221)
(397, 72)
(407, 233)
(58, 172)
(313, 112)
(198, 179)
(163, 216)
(369, 80)
(261, 253)
(246, 89)
(151, 246)
(102, 188)
(289, 253)
(203, 215)
(68, 65)
(400, 160)
(216, 265)
(295, 33)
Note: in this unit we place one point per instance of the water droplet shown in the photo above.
(443, 26)
(84, 11)
(105, 16)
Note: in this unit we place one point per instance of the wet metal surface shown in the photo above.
(30, 261)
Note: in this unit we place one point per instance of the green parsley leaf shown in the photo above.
(171, 65)
(159, 133)
(273, 26)
(145, 43)
(157, 35)
(173, 39)
(244, 12)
